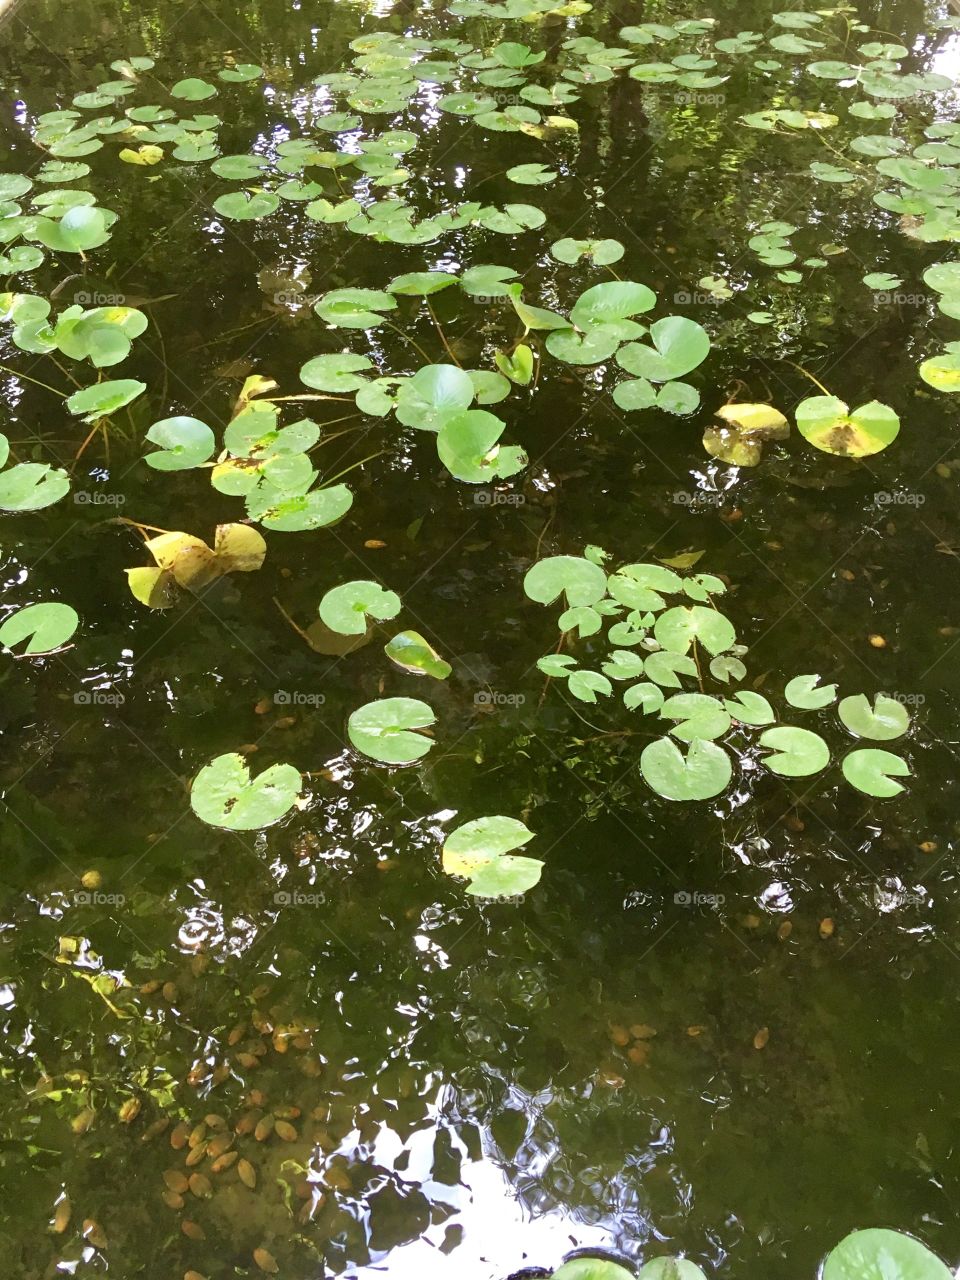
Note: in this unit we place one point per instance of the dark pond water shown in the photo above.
(466, 1093)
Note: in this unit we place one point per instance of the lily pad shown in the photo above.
(581, 581)
(885, 720)
(879, 1254)
(679, 345)
(482, 851)
(872, 771)
(807, 693)
(224, 795)
(795, 753)
(49, 626)
(829, 425)
(345, 609)
(704, 772)
(184, 442)
(385, 729)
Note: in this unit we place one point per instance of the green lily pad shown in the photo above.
(611, 301)
(671, 1269)
(355, 308)
(105, 398)
(592, 1269)
(467, 446)
(246, 206)
(750, 708)
(872, 771)
(49, 626)
(30, 486)
(482, 851)
(193, 90)
(336, 373)
(385, 730)
(885, 720)
(578, 579)
(224, 795)
(704, 772)
(698, 715)
(679, 345)
(879, 1254)
(795, 753)
(803, 692)
(942, 372)
(184, 442)
(679, 627)
(345, 609)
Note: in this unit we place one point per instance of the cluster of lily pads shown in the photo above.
(875, 1253)
(653, 646)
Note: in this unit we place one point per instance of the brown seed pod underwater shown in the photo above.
(200, 1186)
(224, 1162)
(192, 1230)
(247, 1173)
(179, 1135)
(195, 1155)
(172, 1200)
(285, 1130)
(266, 1261)
(94, 1234)
(248, 1121)
(264, 1128)
(176, 1180)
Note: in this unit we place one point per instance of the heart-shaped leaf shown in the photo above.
(184, 442)
(385, 729)
(704, 772)
(580, 580)
(885, 720)
(829, 425)
(482, 851)
(671, 1269)
(345, 609)
(49, 626)
(679, 627)
(679, 345)
(30, 486)
(750, 708)
(336, 372)
(872, 771)
(795, 753)
(355, 308)
(592, 1269)
(698, 715)
(808, 694)
(224, 795)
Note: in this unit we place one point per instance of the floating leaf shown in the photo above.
(802, 691)
(879, 1254)
(467, 446)
(610, 302)
(482, 851)
(30, 486)
(592, 1269)
(698, 715)
(336, 373)
(105, 398)
(184, 443)
(679, 345)
(193, 90)
(679, 627)
(750, 708)
(942, 372)
(829, 425)
(518, 366)
(671, 1269)
(246, 206)
(581, 581)
(704, 772)
(872, 771)
(345, 609)
(49, 626)
(224, 795)
(385, 729)
(414, 654)
(355, 308)
(795, 752)
(885, 720)
(600, 252)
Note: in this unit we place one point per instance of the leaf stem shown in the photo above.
(36, 381)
